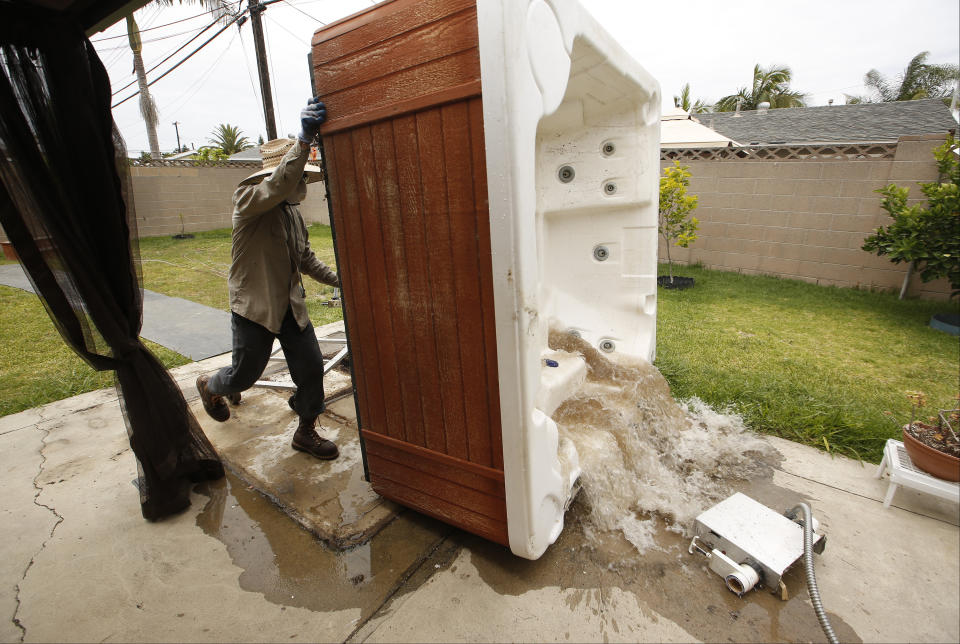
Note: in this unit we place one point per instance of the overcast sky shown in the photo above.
(713, 45)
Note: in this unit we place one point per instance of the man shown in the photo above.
(270, 252)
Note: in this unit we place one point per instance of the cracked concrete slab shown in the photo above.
(233, 567)
(880, 566)
(106, 574)
(477, 611)
(330, 498)
(24, 525)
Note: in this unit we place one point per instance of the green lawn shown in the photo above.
(812, 364)
(196, 270)
(36, 366)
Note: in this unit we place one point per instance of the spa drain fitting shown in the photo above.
(750, 545)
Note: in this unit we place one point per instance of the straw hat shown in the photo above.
(272, 152)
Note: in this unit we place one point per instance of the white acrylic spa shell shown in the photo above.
(572, 150)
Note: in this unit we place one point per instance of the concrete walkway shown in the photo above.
(80, 564)
(193, 330)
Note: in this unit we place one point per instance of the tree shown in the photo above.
(227, 138)
(769, 85)
(148, 107)
(927, 237)
(919, 80)
(683, 102)
(209, 154)
(675, 208)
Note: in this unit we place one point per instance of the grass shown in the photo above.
(812, 364)
(196, 270)
(36, 365)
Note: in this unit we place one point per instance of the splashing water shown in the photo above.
(645, 455)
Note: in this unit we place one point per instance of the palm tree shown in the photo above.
(919, 80)
(769, 85)
(227, 138)
(148, 107)
(683, 102)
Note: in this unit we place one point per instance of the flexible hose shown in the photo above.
(811, 577)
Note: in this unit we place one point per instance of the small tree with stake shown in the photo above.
(926, 237)
(674, 221)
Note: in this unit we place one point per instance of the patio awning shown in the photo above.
(679, 130)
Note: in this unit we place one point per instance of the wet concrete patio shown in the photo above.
(290, 549)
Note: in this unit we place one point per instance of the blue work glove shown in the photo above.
(311, 118)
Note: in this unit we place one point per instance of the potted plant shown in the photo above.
(674, 222)
(933, 446)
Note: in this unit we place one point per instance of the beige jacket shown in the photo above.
(271, 249)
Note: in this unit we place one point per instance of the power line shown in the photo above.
(246, 63)
(277, 23)
(158, 38)
(288, 3)
(152, 28)
(198, 34)
(118, 57)
(198, 84)
(183, 60)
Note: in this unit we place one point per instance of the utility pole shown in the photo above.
(255, 9)
(176, 126)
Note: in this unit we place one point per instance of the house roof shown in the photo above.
(181, 155)
(678, 130)
(872, 122)
(249, 154)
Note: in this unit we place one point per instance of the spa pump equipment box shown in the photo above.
(493, 173)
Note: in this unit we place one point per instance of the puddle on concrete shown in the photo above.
(291, 567)
(354, 497)
(664, 579)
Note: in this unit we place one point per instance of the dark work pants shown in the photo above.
(251, 351)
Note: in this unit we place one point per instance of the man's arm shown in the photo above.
(310, 265)
(256, 199)
(253, 200)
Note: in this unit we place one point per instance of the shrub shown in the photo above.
(927, 237)
(675, 207)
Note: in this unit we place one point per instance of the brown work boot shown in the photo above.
(214, 405)
(306, 439)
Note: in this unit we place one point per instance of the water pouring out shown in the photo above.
(645, 457)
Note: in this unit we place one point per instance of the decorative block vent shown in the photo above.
(782, 153)
(187, 163)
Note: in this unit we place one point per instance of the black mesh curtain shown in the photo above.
(63, 205)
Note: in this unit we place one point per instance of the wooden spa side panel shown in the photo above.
(404, 151)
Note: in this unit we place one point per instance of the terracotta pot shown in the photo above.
(931, 461)
(8, 250)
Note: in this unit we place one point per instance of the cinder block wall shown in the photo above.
(805, 219)
(203, 195)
